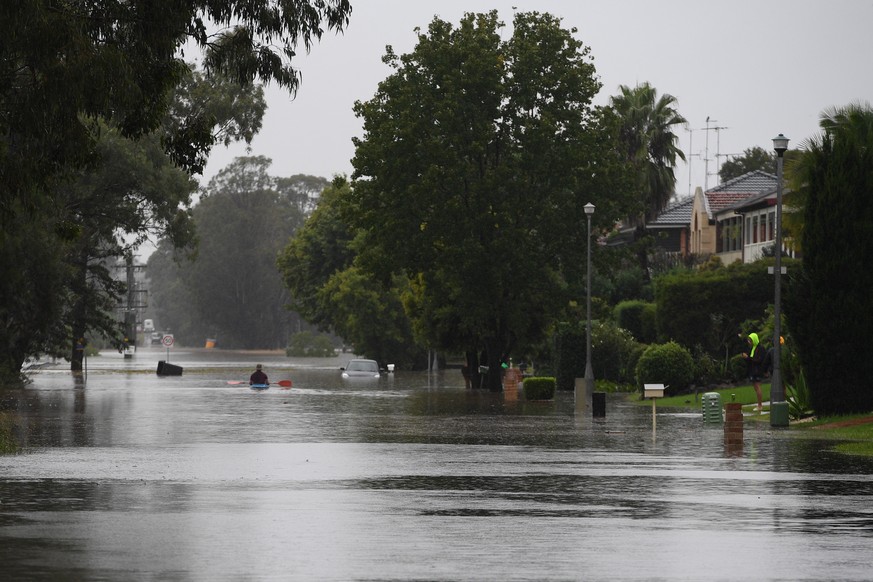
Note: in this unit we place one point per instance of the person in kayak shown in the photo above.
(258, 377)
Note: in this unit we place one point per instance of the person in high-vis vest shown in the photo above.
(754, 360)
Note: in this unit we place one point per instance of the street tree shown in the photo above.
(477, 157)
(70, 70)
(331, 290)
(233, 290)
(830, 306)
(754, 158)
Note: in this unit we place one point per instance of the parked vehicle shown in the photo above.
(148, 325)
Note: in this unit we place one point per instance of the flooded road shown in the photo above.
(131, 476)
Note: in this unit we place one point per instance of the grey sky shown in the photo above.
(754, 67)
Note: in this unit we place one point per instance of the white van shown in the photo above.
(148, 325)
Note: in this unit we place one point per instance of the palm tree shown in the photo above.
(646, 134)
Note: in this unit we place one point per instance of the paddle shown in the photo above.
(284, 383)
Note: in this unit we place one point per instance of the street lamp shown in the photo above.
(778, 406)
(589, 373)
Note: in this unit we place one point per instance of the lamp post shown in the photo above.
(778, 406)
(589, 373)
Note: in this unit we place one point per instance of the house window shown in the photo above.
(754, 229)
(771, 219)
(763, 228)
(749, 230)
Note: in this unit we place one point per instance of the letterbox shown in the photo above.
(653, 390)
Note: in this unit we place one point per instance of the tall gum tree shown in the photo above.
(477, 157)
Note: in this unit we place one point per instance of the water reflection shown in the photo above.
(410, 476)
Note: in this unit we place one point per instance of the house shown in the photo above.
(734, 220)
(671, 227)
(716, 225)
(747, 228)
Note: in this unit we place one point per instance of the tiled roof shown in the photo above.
(735, 191)
(750, 183)
(716, 201)
(676, 214)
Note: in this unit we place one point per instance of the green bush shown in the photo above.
(686, 302)
(539, 388)
(611, 351)
(308, 344)
(669, 364)
(739, 368)
(705, 367)
(638, 318)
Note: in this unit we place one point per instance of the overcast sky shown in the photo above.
(755, 68)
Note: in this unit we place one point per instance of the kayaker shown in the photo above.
(258, 377)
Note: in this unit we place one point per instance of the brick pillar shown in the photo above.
(733, 428)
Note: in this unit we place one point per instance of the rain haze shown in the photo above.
(754, 69)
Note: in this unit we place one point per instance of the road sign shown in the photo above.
(168, 340)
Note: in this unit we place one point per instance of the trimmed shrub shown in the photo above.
(669, 364)
(687, 301)
(539, 388)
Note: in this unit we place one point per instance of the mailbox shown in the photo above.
(653, 390)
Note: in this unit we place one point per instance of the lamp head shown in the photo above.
(589, 209)
(780, 144)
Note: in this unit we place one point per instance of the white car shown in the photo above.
(361, 369)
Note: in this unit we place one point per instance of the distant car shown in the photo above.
(157, 337)
(361, 369)
(148, 325)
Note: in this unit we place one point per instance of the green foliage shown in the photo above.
(467, 174)
(233, 290)
(738, 367)
(322, 269)
(79, 78)
(707, 307)
(799, 398)
(318, 250)
(612, 352)
(669, 364)
(638, 317)
(309, 344)
(755, 158)
(648, 142)
(539, 388)
(830, 308)
(705, 367)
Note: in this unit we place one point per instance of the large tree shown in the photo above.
(330, 289)
(830, 309)
(232, 290)
(755, 158)
(70, 72)
(477, 157)
(64, 64)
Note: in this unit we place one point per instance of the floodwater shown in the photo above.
(129, 476)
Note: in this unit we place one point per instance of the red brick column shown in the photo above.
(733, 427)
